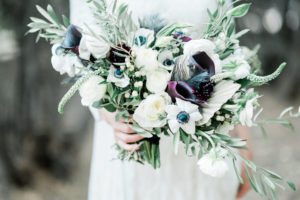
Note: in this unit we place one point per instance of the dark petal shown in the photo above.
(200, 78)
(186, 39)
(183, 91)
(182, 38)
(203, 62)
(72, 38)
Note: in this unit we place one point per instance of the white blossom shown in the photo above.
(117, 77)
(157, 81)
(65, 63)
(183, 115)
(148, 113)
(92, 91)
(146, 58)
(144, 37)
(213, 163)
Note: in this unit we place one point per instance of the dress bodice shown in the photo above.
(192, 12)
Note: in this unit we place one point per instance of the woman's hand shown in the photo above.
(125, 137)
(243, 132)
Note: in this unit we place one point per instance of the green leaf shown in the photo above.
(66, 21)
(239, 11)
(168, 30)
(272, 174)
(53, 15)
(45, 14)
(291, 184)
(269, 182)
(230, 30)
(237, 172)
(110, 108)
(253, 184)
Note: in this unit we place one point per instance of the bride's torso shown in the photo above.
(193, 12)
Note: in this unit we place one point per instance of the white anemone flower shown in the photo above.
(166, 60)
(117, 77)
(213, 163)
(144, 37)
(183, 115)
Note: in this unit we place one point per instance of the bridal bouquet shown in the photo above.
(161, 81)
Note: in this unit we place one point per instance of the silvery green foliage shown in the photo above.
(49, 28)
(153, 22)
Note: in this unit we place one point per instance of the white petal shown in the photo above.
(196, 116)
(189, 127)
(172, 111)
(174, 125)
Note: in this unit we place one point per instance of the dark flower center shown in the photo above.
(183, 117)
(140, 40)
(206, 89)
(168, 62)
(118, 73)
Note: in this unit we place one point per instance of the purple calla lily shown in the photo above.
(181, 90)
(198, 89)
(72, 38)
(203, 63)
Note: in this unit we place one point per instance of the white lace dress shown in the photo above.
(179, 177)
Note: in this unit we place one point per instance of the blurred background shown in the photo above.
(46, 156)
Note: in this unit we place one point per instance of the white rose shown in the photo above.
(147, 115)
(92, 91)
(213, 165)
(91, 42)
(157, 81)
(65, 63)
(194, 46)
(146, 58)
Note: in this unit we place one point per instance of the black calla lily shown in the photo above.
(72, 38)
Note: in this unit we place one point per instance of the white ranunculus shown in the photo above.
(238, 59)
(157, 81)
(92, 91)
(183, 115)
(119, 79)
(247, 113)
(194, 46)
(147, 115)
(144, 37)
(92, 43)
(213, 164)
(65, 63)
(146, 58)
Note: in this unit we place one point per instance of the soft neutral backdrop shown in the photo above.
(45, 156)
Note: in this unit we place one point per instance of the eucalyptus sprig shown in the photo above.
(49, 28)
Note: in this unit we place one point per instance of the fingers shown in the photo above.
(122, 127)
(243, 190)
(127, 147)
(128, 138)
